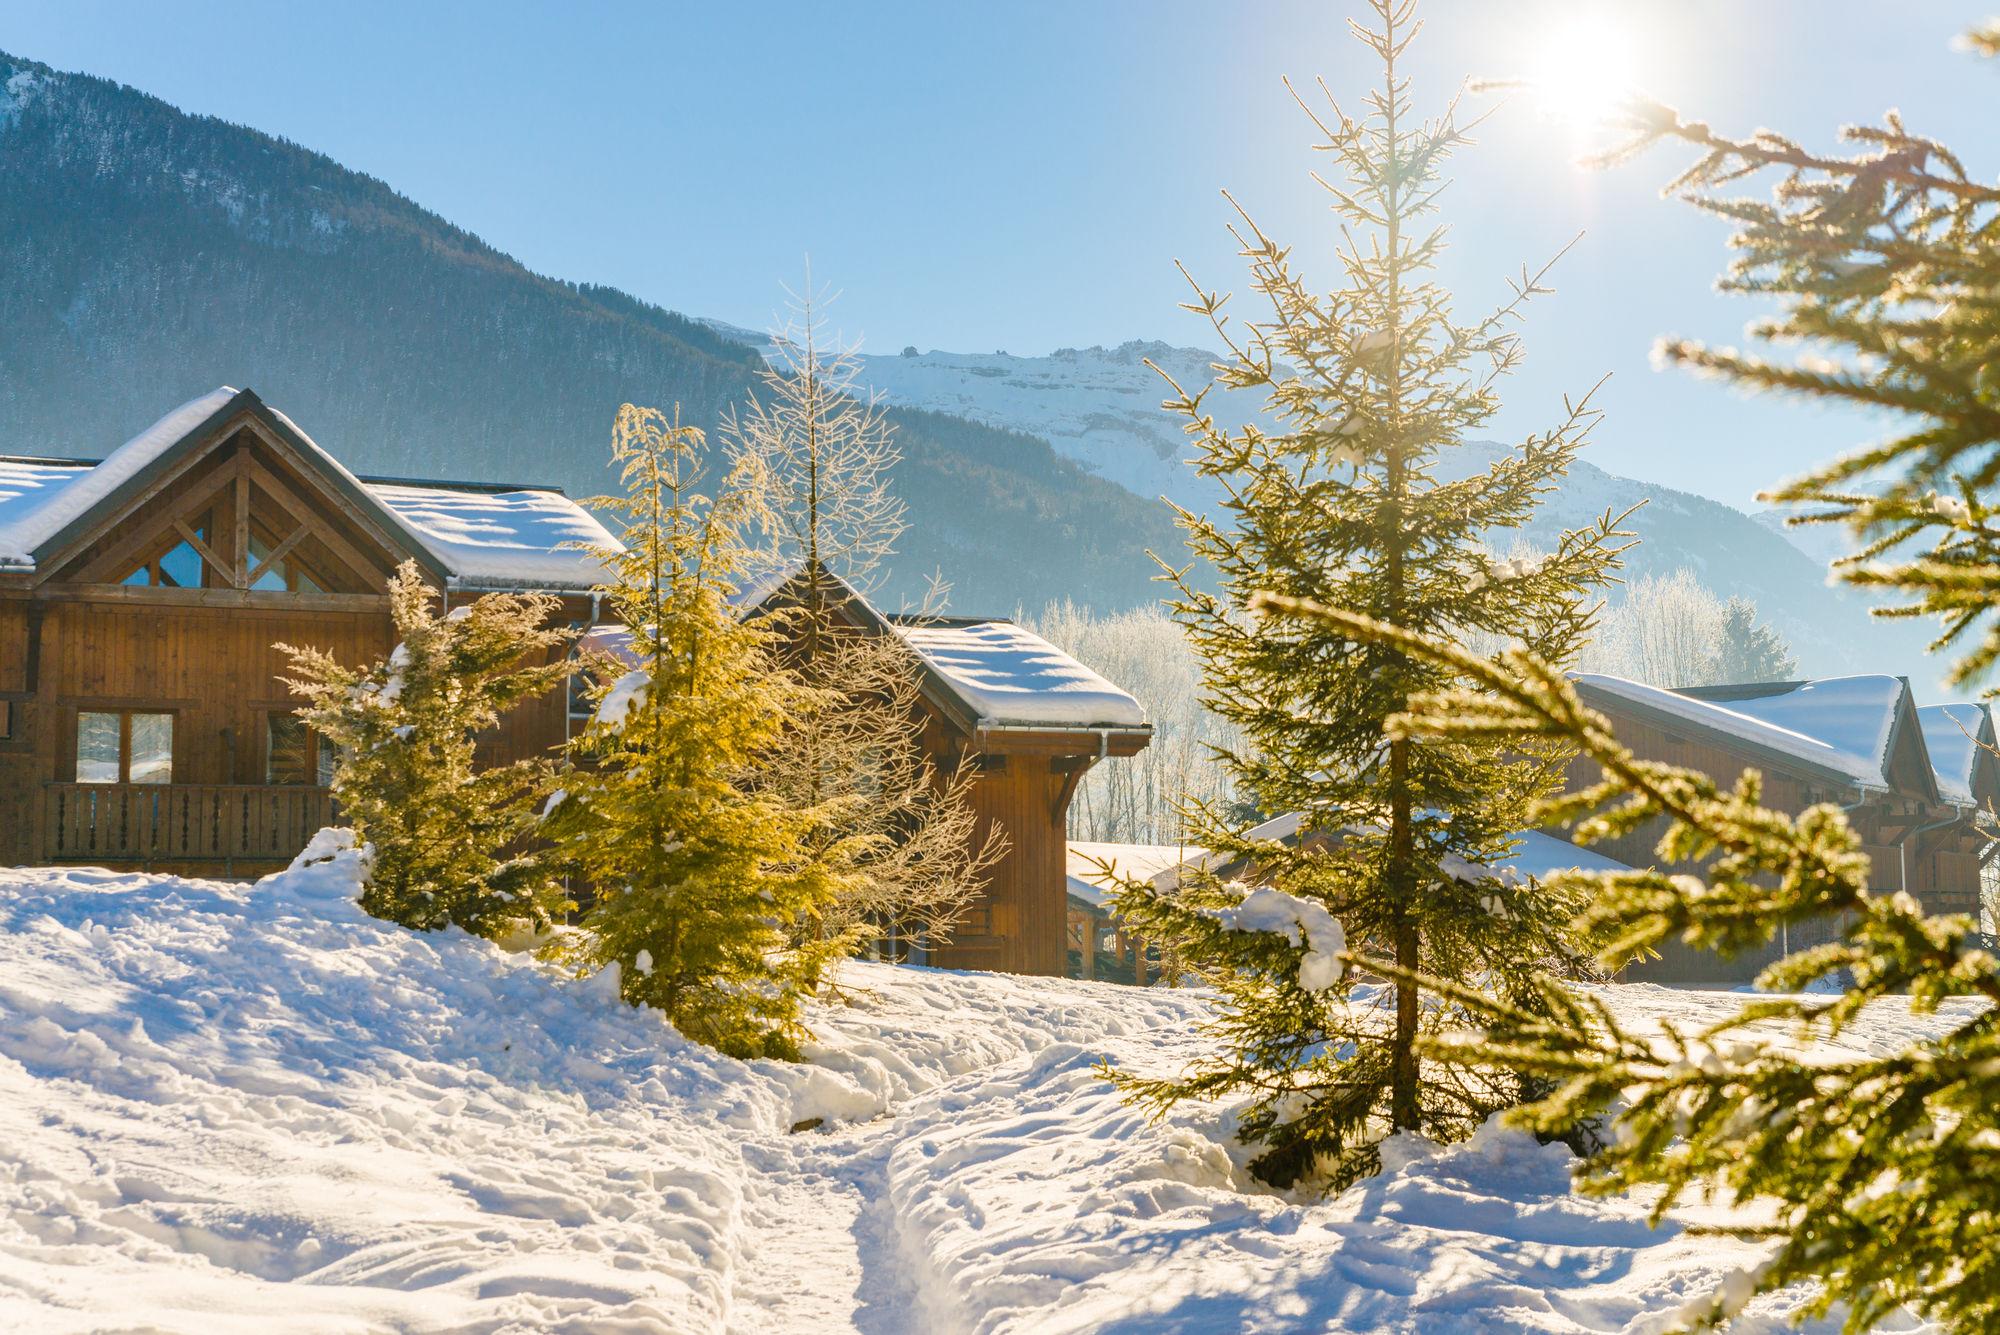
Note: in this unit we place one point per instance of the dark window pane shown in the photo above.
(97, 748)
(287, 757)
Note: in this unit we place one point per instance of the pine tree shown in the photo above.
(1749, 650)
(1371, 385)
(697, 873)
(901, 837)
(451, 839)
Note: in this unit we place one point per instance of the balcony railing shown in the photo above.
(180, 822)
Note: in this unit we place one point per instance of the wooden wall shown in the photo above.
(1943, 864)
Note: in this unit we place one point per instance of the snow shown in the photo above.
(626, 694)
(41, 512)
(25, 486)
(233, 1108)
(1951, 735)
(503, 539)
(1013, 676)
(1840, 723)
(1303, 922)
(1538, 855)
(1087, 861)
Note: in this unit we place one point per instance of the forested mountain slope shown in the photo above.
(147, 256)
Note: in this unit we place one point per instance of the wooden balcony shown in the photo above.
(218, 827)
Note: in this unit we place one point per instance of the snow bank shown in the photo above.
(253, 1108)
(1013, 676)
(231, 1108)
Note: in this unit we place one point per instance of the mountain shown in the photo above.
(147, 256)
(1101, 408)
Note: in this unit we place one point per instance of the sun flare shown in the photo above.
(1585, 68)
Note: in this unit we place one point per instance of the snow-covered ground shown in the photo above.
(249, 1108)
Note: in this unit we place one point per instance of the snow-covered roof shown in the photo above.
(1159, 863)
(26, 486)
(502, 538)
(1538, 855)
(478, 537)
(1011, 676)
(1841, 724)
(41, 513)
(1952, 736)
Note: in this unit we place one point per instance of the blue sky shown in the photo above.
(1022, 177)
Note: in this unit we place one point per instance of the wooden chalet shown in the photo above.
(143, 721)
(1032, 719)
(1912, 782)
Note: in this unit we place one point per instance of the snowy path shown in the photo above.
(822, 1252)
(228, 1109)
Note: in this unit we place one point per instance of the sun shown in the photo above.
(1585, 68)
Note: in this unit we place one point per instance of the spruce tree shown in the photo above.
(901, 837)
(1353, 498)
(1748, 649)
(451, 839)
(696, 872)
(1876, 1171)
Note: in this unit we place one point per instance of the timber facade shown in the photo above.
(145, 723)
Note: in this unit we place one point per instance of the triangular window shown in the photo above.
(178, 567)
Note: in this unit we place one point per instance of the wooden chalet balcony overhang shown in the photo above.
(219, 826)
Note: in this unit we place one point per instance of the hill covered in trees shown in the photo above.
(147, 256)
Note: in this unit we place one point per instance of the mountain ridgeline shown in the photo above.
(147, 256)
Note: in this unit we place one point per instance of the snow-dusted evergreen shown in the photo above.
(449, 838)
(697, 875)
(1348, 502)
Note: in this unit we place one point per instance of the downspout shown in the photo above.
(1903, 844)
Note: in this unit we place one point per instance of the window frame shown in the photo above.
(124, 714)
(320, 753)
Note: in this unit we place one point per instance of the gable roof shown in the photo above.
(982, 672)
(1960, 739)
(1852, 731)
(470, 536)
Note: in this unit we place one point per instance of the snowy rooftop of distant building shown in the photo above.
(1952, 736)
(998, 672)
(480, 535)
(1011, 676)
(1841, 724)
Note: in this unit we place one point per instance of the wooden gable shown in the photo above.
(238, 509)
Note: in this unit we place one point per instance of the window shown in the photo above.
(285, 575)
(294, 753)
(124, 746)
(179, 567)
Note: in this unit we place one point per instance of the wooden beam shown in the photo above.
(193, 539)
(241, 545)
(275, 555)
(248, 599)
(360, 566)
(125, 552)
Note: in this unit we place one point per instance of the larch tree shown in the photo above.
(451, 838)
(1345, 501)
(695, 868)
(1878, 1172)
(901, 838)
